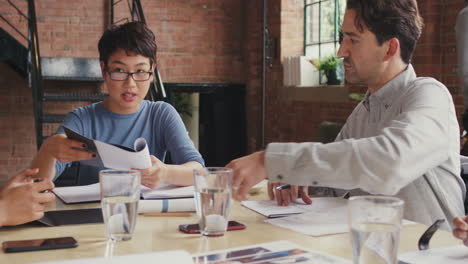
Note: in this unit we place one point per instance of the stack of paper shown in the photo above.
(91, 193)
(325, 216)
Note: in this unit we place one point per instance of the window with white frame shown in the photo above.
(322, 21)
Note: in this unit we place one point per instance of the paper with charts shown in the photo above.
(114, 156)
(91, 193)
(268, 253)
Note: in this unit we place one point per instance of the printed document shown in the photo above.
(325, 216)
(114, 156)
(270, 208)
(273, 252)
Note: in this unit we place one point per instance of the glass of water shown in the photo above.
(120, 193)
(375, 223)
(213, 196)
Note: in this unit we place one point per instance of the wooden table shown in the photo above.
(161, 233)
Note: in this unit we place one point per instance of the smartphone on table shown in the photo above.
(39, 244)
(195, 228)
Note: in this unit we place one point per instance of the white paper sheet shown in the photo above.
(333, 221)
(117, 158)
(176, 256)
(270, 208)
(114, 156)
(79, 194)
(451, 255)
(91, 193)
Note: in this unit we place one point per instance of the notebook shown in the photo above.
(91, 193)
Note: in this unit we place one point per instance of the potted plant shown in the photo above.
(331, 67)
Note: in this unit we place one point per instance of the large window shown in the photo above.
(322, 25)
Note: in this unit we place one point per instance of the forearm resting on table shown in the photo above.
(46, 164)
(3, 212)
(181, 174)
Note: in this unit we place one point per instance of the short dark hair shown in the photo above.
(390, 19)
(132, 37)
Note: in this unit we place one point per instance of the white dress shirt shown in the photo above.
(402, 140)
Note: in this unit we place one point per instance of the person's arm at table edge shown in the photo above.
(181, 174)
(58, 148)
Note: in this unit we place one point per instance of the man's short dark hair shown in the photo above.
(132, 37)
(390, 19)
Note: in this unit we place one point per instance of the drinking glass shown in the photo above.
(375, 223)
(120, 193)
(213, 196)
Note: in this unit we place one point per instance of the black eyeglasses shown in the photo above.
(123, 76)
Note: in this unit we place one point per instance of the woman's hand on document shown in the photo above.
(461, 228)
(64, 149)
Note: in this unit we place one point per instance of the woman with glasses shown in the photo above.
(127, 55)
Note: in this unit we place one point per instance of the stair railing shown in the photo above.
(35, 71)
(33, 64)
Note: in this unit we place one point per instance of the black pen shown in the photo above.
(283, 187)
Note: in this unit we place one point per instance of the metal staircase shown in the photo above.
(222, 105)
(43, 73)
(28, 62)
(45, 70)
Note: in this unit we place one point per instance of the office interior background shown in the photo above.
(204, 42)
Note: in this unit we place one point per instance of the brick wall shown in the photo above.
(198, 41)
(205, 41)
(298, 120)
(17, 142)
(291, 119)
